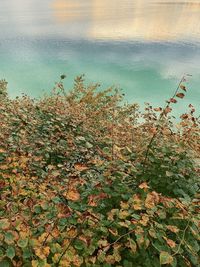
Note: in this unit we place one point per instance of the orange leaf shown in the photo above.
(73, 195)
(167, 110)
(151, 200)
(173, 228)
(144, 186)
(80, 167)
(170, 242)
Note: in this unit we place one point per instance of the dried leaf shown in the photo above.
(80, 167)
(183, 87)
(151, 200)
(137, 202)
(173, 228)
(73, 195)
(170, 242)
(180, 95)
(42, 252)
(173, 100)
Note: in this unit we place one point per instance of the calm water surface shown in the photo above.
(141, 46)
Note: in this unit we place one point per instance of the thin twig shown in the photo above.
(119, 238)
(158, 125)
(182, 239)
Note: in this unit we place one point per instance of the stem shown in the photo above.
(182, 239)
(61, 256)
(158, 126)
(120, 238)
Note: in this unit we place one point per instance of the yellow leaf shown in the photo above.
(65, 263)
(42, 252)
(34, 263)
(151, 200)
(165, 258)
(145, 219)
(123, 214)
(137, 203)
(42, 237)
(103, 243)
(124, 205)
(132, 245)
(72, 232)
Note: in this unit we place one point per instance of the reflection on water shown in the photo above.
(143, 46)
(133, 20)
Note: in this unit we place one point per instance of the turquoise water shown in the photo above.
(143, 47)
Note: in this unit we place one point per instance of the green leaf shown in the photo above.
(22, 243)
(9, 238)
(26, 253)
(5, 263)
(10, 252)
(79, 245)
(165, 258)
(88, 145)
(127, 263)
(4, 224)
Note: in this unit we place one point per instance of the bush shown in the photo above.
(88, 181)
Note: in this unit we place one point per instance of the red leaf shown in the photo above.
(180, 95)
(173, 100)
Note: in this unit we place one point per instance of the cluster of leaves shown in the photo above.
(88, 181)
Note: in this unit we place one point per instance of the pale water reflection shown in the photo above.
(142, 46)
(133, 20)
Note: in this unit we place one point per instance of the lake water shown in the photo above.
(141, 46)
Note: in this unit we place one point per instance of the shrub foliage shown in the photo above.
(88, 181)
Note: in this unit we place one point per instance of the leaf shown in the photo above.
(157, 109)
(144, 186)
(73, 195)
(132, 245)
(80, 167)
(137, 203)
(22, 243)
(4, 224)
(173, 100)
(165, 258)
(5, 263)
(167, 110)
(173, 228)
(151, 200)
(10, 252)
(9, 238)
(42, 252)
(170, 242)
(183, 87)
(123, 214)
(180, 95)
(169, 174)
